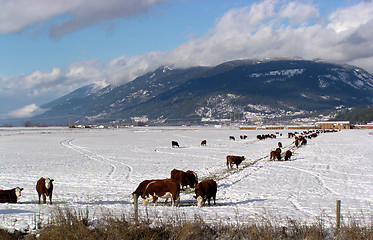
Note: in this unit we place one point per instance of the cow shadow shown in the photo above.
(101, 202)
(240, 203)
(14, 211)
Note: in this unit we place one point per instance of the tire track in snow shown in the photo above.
(96, 157)
(317, 177)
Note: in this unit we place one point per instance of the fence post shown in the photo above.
(338, 213)
(136, 206)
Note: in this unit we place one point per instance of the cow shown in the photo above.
(296, 142)
(279, 144)
(185, 179)
(275, 154)
(288, 154)
(166, 188)
(141, 189)
(232, 138)
(203, 143)
(11, 195)
(175, 144)
(205, 190)
(231, 160)
(44, 187)
(195, 175)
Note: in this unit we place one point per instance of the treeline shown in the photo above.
(358, 115)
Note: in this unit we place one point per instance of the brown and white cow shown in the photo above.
(231, 160)
(204, 142)
(141, 189)
(166, 188)
(44, 187)
(205, 190)
(11, 195)
(188, 178)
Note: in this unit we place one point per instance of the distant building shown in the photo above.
(333, 125)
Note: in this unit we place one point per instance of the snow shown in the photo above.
(98, 169)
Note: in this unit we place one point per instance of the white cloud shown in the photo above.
(298, 12)
(16, 16)
(351, 18)
(26, 111)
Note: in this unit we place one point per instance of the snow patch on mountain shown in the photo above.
(288, 73)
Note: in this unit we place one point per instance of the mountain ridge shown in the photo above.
(283, 88)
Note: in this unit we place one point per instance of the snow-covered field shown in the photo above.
(98, 169)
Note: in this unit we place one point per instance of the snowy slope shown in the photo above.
(99, 169)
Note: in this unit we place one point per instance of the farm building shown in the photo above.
(333, 125)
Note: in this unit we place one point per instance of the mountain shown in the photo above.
(357, 115)
(254, 91)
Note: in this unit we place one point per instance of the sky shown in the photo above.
(50, 48)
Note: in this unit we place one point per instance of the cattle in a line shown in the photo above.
(232, 138)
(288, 154)
(265, 136)
(167, 188)
(185, 179)
(205, 190)
(175, 144)
(44, 187)
(11, 195)
(231, 160)
(203, 143)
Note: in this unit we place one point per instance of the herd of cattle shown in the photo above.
(179, 180)
(171, 187)
(44, 187)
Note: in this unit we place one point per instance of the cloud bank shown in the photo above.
(265, 29)
(64, 18)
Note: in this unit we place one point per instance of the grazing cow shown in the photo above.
(296, 143)
(279, 144)
(175, 144)
(288, 154)
(203, 143)
(275, 154)
(10, 196)
(185, 179)
(195, 174)
(166, 188)
(232, 138)
(231, 160)
(44, 186)
(141, 189)
(205, 190)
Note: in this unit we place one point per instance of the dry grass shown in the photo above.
(66, 223)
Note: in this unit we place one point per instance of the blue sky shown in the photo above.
(50, 48)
